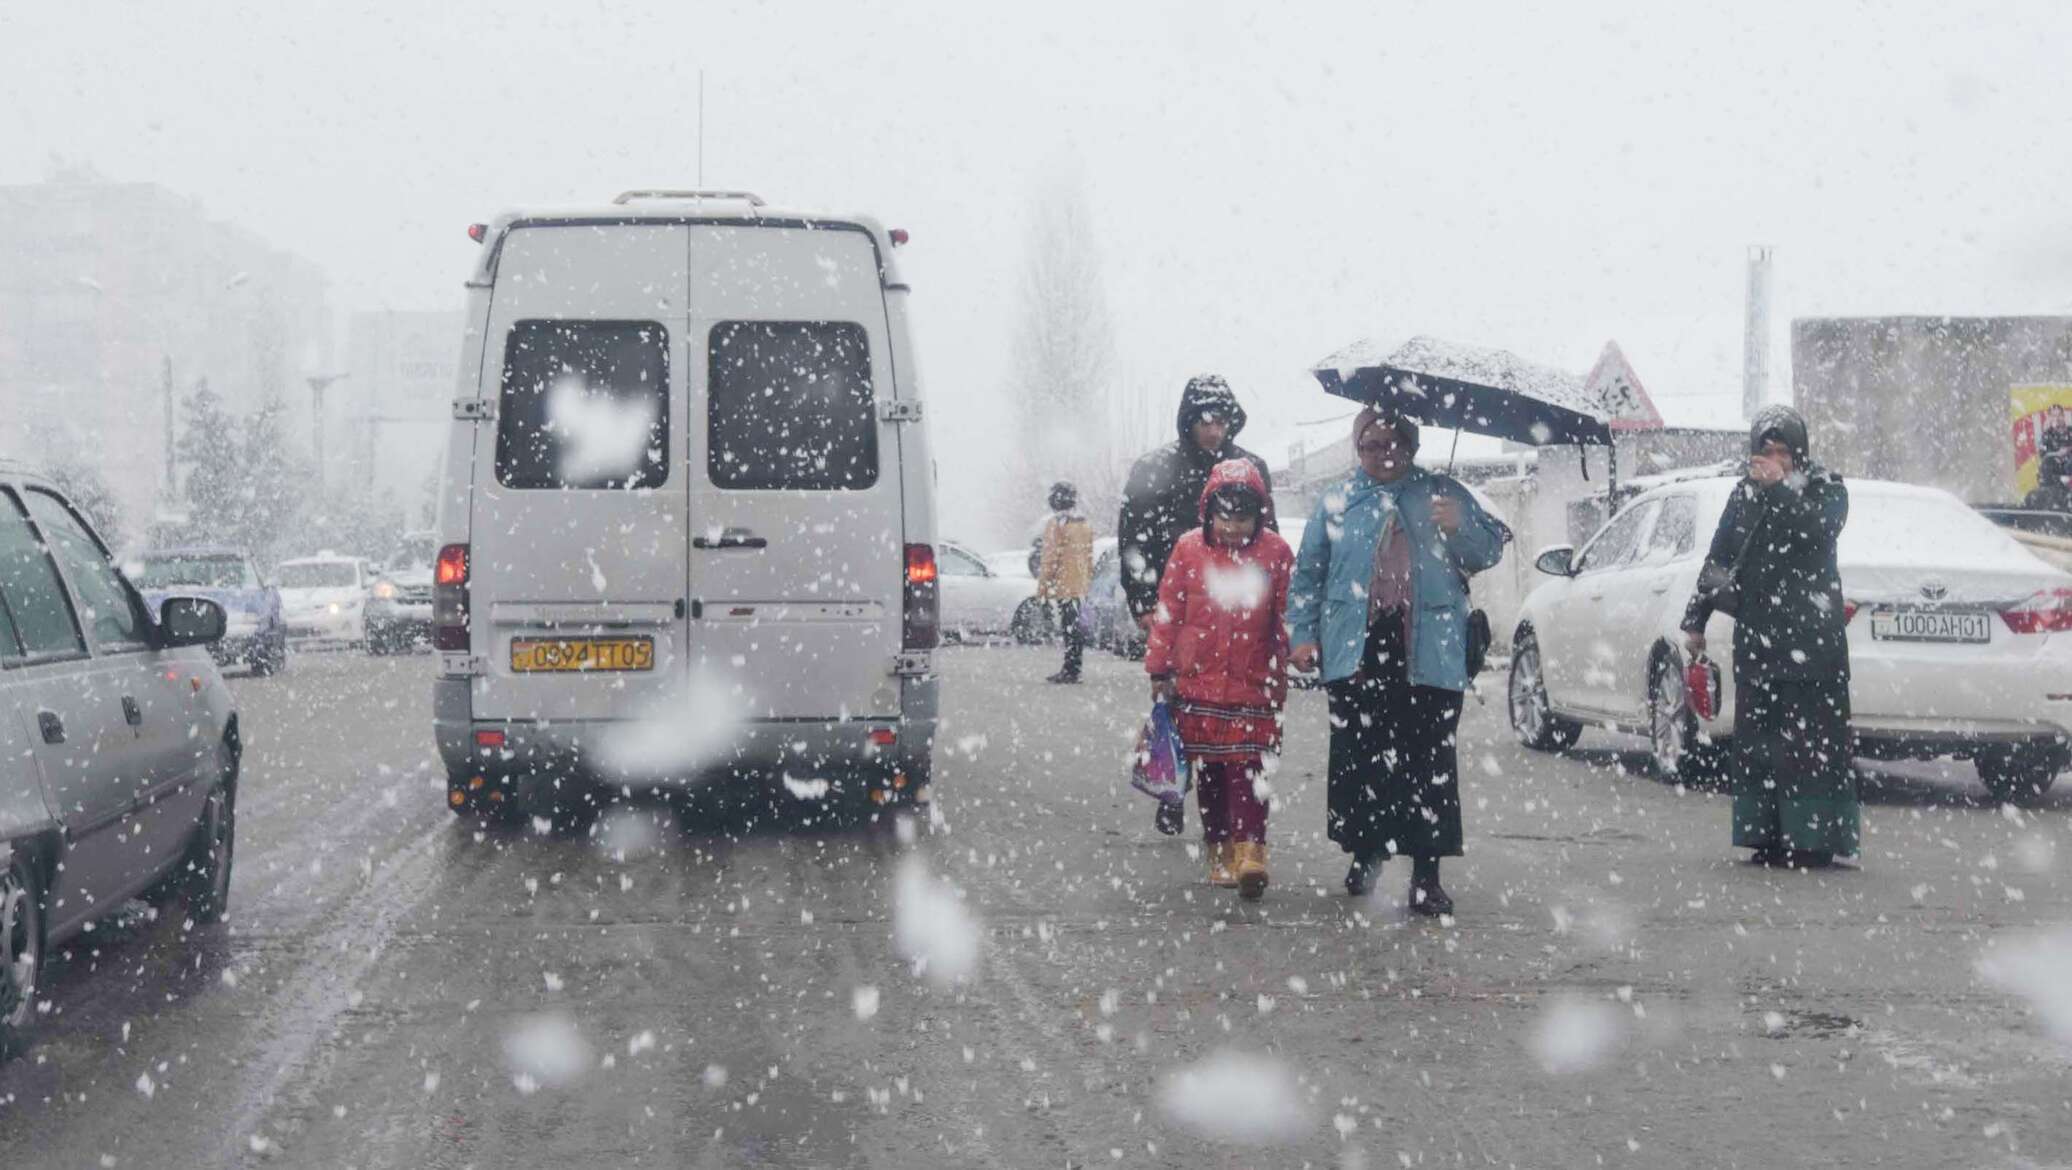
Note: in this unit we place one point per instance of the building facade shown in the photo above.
(1924, 399)
(109, 289)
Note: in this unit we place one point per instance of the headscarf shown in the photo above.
(1401, 424)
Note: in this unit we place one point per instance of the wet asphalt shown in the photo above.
(718, 985)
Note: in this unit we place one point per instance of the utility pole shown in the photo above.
(172, 479)
(318, 383)
(1755, 341)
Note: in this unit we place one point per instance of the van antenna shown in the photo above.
(701, 129)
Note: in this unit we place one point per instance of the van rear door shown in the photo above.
(797, 561)
(579, 530)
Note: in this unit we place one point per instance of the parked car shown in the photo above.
(399, 603)
(1113, 627)
(1960, 640)
(325, 598)
(257, 633)
(119, 742)
(788, 573)
(977, 600)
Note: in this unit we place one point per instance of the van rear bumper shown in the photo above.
(801, 749)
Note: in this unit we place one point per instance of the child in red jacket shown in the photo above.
(1219, 651)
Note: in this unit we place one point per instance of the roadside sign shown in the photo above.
(1619, 397)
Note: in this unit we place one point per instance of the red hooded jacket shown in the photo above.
(1219, 629)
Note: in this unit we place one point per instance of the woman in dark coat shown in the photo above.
(1795, 778)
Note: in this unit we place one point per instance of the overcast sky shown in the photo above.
(1266, 183)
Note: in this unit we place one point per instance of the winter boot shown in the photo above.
(1064, 676)
(1222, 863)
(1427, 897)
(1170, 817)
(1251, 869)
(1360, 878)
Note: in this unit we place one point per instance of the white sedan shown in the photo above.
(1960, 639)
(978, 600)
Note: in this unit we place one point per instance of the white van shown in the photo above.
(688, 519)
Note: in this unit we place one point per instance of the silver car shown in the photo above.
(118, 742)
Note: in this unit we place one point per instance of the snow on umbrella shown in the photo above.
(1469, 388)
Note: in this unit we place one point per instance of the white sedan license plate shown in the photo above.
(1926, 625)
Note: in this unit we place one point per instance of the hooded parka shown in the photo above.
(1161, 501)
(1793, 759)
(1217, 631)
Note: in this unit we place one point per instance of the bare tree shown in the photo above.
(1063, 356)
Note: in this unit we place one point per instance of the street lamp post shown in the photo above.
(318, 383)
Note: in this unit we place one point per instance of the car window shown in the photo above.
(38, 610)
(169, 572)
(585, 405)
(791, 406)
(954, 563)
(111, 611)
(318, 575)
(1614, 546)
(1675, 534)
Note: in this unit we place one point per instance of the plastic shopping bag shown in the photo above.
(1159, 768)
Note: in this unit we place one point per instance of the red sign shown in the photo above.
(1617, 395)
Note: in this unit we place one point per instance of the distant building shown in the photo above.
(101, 284)
(1924, 399)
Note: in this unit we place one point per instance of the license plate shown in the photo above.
(546, 655)
(1920, 625)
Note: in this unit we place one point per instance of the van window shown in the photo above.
(792, 407)
(29, 582)
(585, 405)
(112, 611)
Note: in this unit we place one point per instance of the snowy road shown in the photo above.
(398, 990)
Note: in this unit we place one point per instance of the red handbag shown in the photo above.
(1701, 687)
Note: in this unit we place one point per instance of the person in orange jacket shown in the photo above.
(1067, 572)
(1219, 652)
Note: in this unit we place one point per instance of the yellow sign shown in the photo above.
(2042, 424)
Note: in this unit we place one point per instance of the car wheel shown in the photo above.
(21, 949)
(1673, 737)
(1532, 716)
(1032, 623)
(2018, 774)
(209, 858)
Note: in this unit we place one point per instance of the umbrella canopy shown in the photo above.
(1470, 388)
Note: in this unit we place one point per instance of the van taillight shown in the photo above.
(923, 624)
(450, 599)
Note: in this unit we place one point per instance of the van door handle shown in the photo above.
(730, 540)
(53, 728)
(132, 712)
(680, 608)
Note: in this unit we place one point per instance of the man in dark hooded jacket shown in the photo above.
(1795, 783)
(1162, 501)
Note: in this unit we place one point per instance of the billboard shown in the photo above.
(2042, 423)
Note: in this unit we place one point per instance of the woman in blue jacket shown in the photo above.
(1380, 595)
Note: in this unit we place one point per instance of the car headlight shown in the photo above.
(385, 590)
(334, 608)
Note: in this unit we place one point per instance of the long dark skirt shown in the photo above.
(1394, 788)
(1795, 776)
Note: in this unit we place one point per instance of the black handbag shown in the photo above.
(1478, 642)
(1720, 585)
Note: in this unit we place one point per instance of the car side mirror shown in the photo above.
(1557, 561)
(190, 621)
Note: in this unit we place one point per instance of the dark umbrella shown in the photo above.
(1467, 388)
